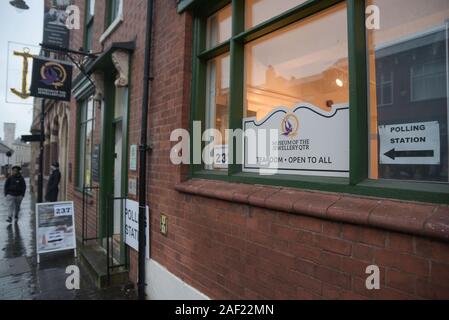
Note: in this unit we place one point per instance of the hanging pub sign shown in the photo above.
(55, 31)
(304, 140)
(51, 79)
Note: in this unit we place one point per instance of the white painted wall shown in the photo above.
(164, 285)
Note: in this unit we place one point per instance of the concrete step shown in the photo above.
(93, 258)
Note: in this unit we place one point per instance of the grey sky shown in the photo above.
(19, 27)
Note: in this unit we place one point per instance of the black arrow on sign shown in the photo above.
(393, 154)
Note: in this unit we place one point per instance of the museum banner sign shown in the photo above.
(56, 32)
(305, 140)
(51, 79)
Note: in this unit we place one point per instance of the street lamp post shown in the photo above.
(21, 5)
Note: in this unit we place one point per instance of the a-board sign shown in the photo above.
(131, 212)
(410, 143)
(55, 227)
(304, 140)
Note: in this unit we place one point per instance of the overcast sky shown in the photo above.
(17, 30)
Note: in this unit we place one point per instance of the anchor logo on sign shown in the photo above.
(24, 94)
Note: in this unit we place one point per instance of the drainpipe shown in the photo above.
(143, 148)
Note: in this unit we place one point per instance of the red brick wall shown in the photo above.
(235, 251)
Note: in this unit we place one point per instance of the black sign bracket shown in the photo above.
(70, 54)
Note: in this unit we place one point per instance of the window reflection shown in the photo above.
(258, 11)
(408, 64)
(217, 108)
(219, 27)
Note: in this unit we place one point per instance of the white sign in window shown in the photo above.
(305, 140)
(410, 143)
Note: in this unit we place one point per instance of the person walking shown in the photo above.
(53, 183)
(15, 188)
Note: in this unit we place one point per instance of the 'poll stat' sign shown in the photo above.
(131, 212)
(410, 143)
(304, 140)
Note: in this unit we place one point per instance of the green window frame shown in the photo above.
(358, 182)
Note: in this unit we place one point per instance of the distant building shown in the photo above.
(4, 161)
(21, 151)
(9, 131)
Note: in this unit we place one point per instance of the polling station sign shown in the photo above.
(55, 227)
(304, 140)
(131, 212)
(410, 143)
(51, 79)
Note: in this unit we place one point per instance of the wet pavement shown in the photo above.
(22, 278)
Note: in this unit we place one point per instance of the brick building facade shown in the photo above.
(229, 238)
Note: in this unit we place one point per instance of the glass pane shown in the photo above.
(408, 64)
(83, 113)
(91, 8)
(296, 82)
(312, 66)
(90, 109)
(219, 27)
(258, 11)
(81, 157)
(114, 9)
(89, 40)
(121, 98)
(217, 106)
(88, 154)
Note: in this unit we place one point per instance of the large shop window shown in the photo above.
(86, 130)
(300, 67)
(408, 64)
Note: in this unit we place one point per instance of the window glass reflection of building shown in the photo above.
(217, 104)
(86, 130)
(219, 27)
(412, 46)
(89, 25)
(258, 11)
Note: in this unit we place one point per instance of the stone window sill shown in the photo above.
(407, 217)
